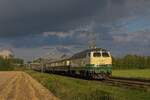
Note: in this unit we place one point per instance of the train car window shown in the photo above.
(97, 54)
(105, 54)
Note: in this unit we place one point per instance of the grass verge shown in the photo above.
(67, 88)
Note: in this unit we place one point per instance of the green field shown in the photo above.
(135, 73)
(67, 88)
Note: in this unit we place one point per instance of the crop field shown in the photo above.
(134, 73)
(68, 88)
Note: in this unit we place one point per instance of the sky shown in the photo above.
(38, 28)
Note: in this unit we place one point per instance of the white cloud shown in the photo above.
(83, 31)
(59, 34)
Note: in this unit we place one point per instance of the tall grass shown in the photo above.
(67, 88)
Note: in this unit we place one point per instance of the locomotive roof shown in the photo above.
(83, 53)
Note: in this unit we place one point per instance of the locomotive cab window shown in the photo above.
(89, 54)
(105, 54)
(97, 54)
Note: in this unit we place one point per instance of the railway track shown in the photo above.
(128, 82)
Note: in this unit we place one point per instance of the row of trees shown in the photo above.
(131, 62)
(126, 62)
(9, 64)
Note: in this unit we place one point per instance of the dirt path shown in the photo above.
(20, 86)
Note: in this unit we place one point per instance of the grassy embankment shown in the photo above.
(132, 73)
(67, 88)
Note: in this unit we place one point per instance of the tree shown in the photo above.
(131, 62)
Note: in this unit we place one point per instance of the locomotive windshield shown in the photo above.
(97, 54)
(105, 54)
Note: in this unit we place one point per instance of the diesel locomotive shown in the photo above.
(91, 63)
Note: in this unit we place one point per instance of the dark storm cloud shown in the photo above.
(36, 16)
(118, 24)
(21, 17)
